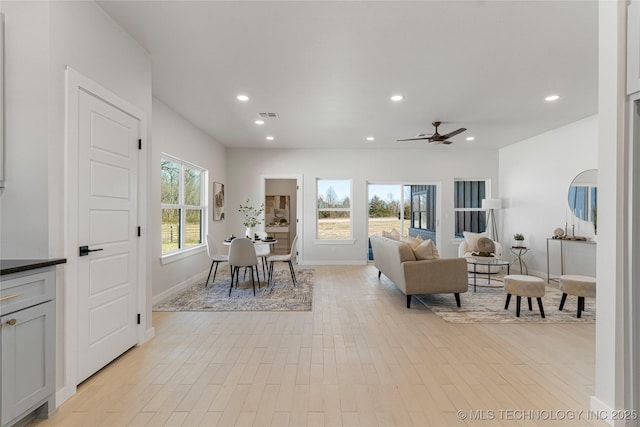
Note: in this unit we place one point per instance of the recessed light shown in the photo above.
(396, 98)
(370, 138)
(242, 98)
(471, 138)
(270, 138)
(552, 98)
(259, 122)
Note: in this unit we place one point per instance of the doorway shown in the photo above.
(283, 203)
(411, 209)
(105, 290)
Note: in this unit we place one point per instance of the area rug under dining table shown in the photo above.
(280, 296)
(486, 305)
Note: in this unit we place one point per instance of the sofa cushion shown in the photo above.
(472, 239)
(426, 250)
(393, 234)
(414, 242)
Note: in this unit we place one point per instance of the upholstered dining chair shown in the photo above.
(242, 253)
(215, 257)
(263, 250)
(284, 258)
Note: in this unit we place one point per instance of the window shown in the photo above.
(183, 207)
(334, 209)
(467, 198)
(423, 211)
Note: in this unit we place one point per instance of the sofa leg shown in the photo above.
(379, 273)
(408, 301)
(457, 295)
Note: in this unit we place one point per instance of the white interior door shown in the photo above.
(107, 225)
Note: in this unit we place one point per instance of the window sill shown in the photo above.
(185, 253)
(335, 242)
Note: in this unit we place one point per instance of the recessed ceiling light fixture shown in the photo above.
(242, 98)
(370, 138)
(552, 98)
(270, 138)
(397, 98)
(471, 138)
(259, 122)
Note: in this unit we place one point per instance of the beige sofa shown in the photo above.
(414, 277)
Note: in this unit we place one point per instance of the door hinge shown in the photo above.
(139, 231)
(139, 144)
(139, 318)
(297, 187)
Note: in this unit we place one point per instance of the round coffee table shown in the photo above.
(489, 262)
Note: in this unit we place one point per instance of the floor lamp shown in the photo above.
(492, 205)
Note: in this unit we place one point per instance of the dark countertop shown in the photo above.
(10, 266)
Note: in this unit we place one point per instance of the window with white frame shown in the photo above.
(467, 199)
(333, 209)
(183, 204)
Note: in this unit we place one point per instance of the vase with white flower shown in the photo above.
(252, 217)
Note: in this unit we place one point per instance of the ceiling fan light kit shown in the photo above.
(436, 137)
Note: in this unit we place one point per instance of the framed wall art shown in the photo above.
(218, 201)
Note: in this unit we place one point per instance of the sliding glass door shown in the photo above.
(411, 209)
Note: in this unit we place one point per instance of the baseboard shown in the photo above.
(63, 394)
(333, 263)
(601, 411)
(178, 288)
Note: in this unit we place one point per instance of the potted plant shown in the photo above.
(252, 216)
(519, 238)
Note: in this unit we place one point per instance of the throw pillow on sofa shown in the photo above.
(472, 239)
(414, 242)
(426, 250)
(393, 234)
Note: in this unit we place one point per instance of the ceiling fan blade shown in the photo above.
(414, 139)
(454, 133)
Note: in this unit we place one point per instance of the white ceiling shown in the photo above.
(328, 68)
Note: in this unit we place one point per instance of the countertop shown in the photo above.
(10, 266)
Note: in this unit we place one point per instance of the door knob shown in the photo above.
(11, 322)
(84, 250)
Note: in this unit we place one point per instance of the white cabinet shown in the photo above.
(27, 344)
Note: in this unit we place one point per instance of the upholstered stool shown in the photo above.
(580, 286)
(524, 286)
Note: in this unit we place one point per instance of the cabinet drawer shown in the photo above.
(26, 291)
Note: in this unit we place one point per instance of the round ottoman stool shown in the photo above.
(580, 286)
(524, 286)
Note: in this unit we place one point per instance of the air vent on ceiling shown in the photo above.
(269, 115)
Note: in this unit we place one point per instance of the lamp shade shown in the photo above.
(491, 204)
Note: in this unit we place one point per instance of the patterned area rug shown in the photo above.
(486, 305)
(280, 296)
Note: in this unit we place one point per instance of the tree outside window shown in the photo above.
(334, 209)
(182, 200)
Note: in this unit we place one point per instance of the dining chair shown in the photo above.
(284, 258)
(242, 253)
(215, 257)
(263, 250)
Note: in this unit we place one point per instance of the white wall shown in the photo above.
(175, 136)
(24, 213)
(535, 175)
(42, 38)
(431, 164)
(611, 332)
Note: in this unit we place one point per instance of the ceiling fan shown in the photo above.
(436, 137)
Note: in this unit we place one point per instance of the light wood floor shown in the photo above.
(360, 358)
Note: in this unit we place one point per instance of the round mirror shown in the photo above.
(583, 197)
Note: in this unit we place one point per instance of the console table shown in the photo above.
(562, 242)
(280, 233)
